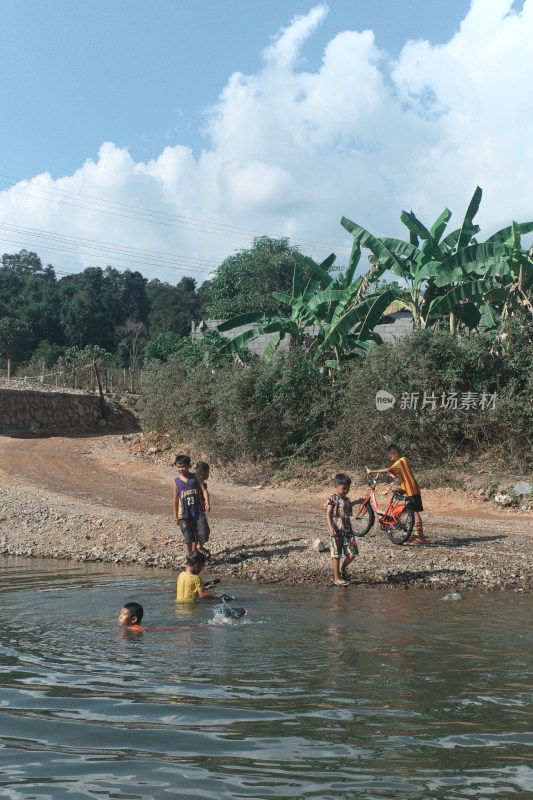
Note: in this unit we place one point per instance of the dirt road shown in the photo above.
(89, 498)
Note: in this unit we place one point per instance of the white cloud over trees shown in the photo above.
(289, 151)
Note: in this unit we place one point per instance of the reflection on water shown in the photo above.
(357, 693)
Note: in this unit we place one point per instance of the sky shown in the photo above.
(164, 135)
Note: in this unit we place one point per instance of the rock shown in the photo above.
(503, 499)
(320, 546)
(453, 596)
(523, 489)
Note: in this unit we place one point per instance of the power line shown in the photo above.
(90, 248)
(139, 213)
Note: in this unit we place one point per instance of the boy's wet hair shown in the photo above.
(201, 466)
(393, 448)
(181, 459)
(135, 609)
(195, 559)
(341, 479)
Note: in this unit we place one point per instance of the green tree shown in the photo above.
(172, 308)
(451, 276)
(15, 339)
(329, 318)
(243, 283)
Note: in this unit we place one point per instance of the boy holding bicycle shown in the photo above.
(342, 538)
(409, 489)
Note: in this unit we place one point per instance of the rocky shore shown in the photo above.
(268, 535)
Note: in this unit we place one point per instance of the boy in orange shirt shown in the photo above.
(409, 488)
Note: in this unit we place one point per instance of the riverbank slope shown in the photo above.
(89, 498)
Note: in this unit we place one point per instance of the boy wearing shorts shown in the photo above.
(400, 471)
(187, 505)
(342, 538)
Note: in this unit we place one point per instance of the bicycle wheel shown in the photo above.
(363, 519)
(400, 531)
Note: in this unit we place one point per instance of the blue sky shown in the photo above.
(254, 117)
(140, 73)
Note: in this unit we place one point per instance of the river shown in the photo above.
(327, 694)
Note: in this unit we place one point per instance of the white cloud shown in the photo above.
(290, 151)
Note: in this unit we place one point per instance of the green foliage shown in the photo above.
(244, 282)
(455, 277)
(285, 407)
(328, 318)
(15, 339)
(262, 410)
(490, 488)
(162, 346)
(173, 308)
(439, 363)
(47, 353)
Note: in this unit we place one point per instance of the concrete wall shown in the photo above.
(47, 409)
(402, 326)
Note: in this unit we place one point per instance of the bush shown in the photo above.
(437, 363)
(262, 410)
(288, 408)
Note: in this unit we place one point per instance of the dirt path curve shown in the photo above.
(89, 498)
(101, 470)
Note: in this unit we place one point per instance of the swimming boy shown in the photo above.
(201, 470)
(131, 615)
(342, 538)
(187, 504)
(409, 489)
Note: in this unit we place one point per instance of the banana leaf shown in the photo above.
(401, 248)
(387, 259)
(301, 310)
(280, 326)
(439, 226)
(272, 345)
(367, 313)
(465, 291)
(414, 225)
(505, 234)
(355, 257)
(468, 229)
(475, 258)
(449, 243)
(250, 318)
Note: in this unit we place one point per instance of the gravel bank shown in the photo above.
(273, 544)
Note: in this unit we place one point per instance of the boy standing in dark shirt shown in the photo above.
(187, 504)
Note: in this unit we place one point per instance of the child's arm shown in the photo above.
(377, 471)
(206, 595)
(205, 493)
(175, 501)
(329, 519)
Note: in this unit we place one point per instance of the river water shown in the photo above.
(327, 694)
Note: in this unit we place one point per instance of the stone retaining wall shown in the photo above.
(32, 409)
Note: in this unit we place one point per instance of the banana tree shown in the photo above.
(455, 276)
(330, 318)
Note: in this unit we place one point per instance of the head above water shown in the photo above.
(131, 614)
(196, 561)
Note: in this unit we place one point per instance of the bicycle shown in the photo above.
(397, 519)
